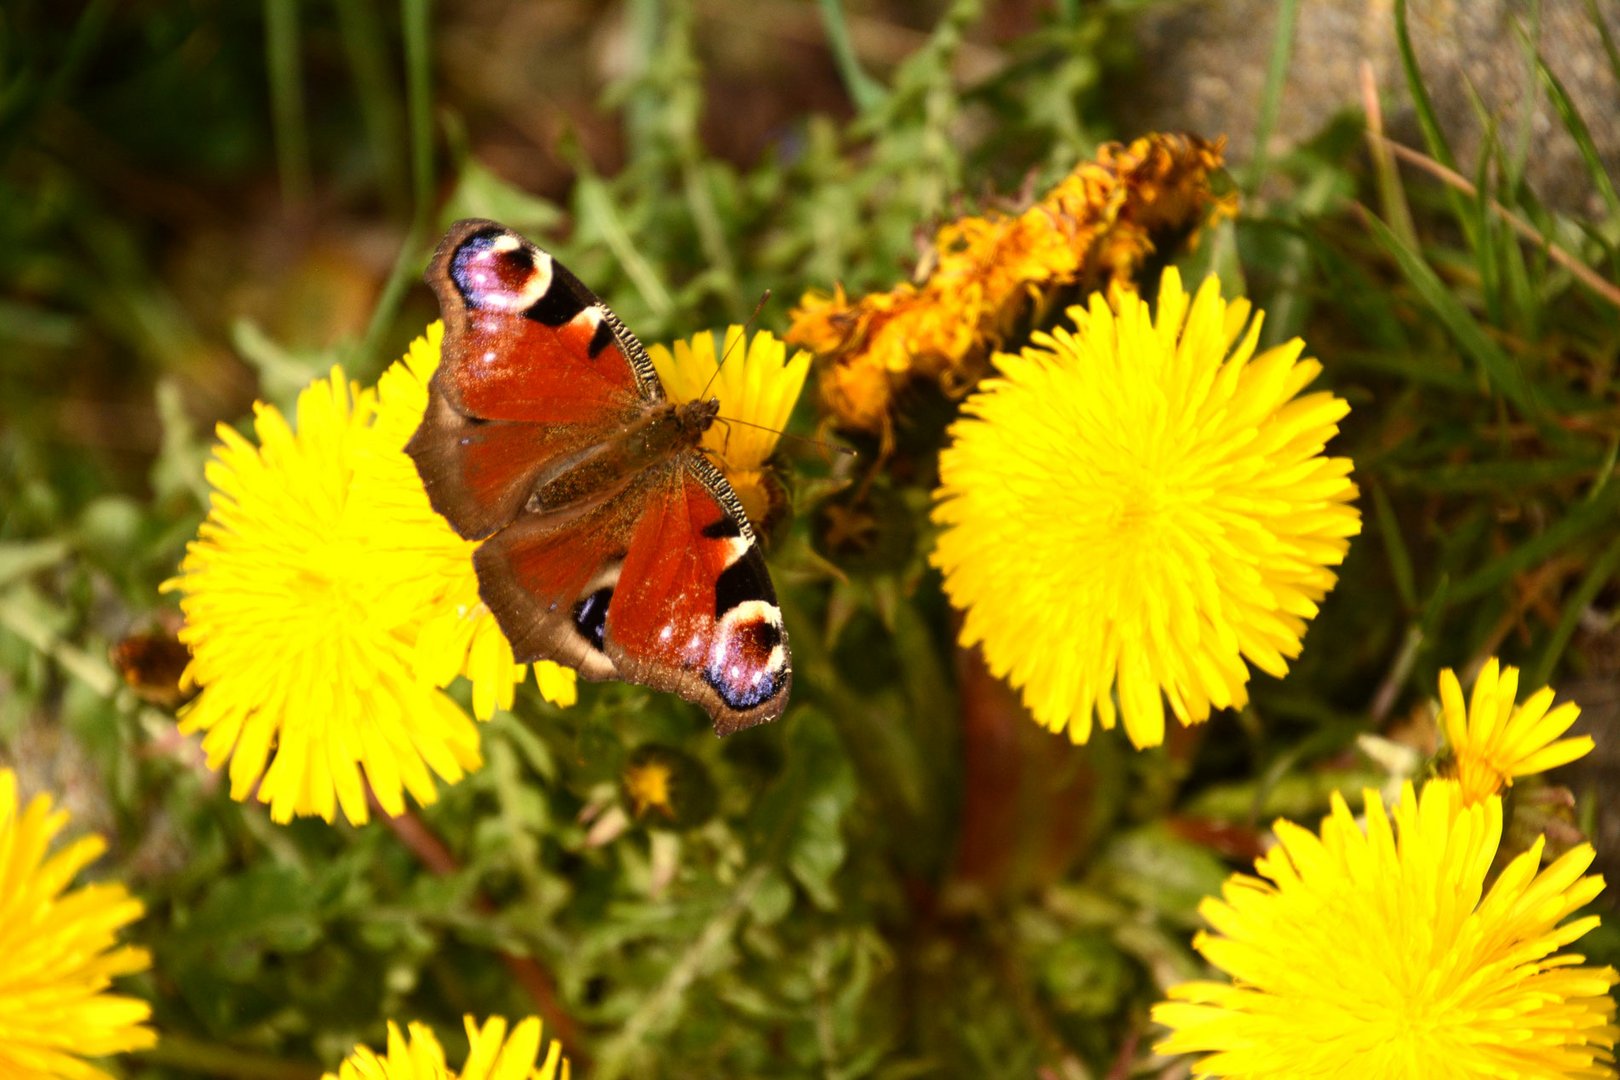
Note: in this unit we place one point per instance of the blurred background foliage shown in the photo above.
(205, 202)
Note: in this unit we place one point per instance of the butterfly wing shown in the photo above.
(694, 611)
(548, 579)
(534, 369)
(664, 584)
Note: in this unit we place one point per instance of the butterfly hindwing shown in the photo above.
(610, 543)
(549, 579)
(694, 611)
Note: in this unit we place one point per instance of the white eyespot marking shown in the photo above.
(752, 610)
(540, 283)
(736, 548)
(488, 283)
(748, 659)
(488, 357)
(667, 632)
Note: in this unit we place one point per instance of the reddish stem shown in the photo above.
(525, 970)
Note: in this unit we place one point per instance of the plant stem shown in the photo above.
(525, 970)
(287, 98)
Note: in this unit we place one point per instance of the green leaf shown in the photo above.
(480, 193)
(1158, 871)
(20, 558)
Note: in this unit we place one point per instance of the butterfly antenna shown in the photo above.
(820, 444)
(764, 298)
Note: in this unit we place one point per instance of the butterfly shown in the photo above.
(611, 544)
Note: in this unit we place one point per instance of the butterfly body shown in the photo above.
(601, 469)
(611, 543)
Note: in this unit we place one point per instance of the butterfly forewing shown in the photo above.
(613, 545)
(534, 369)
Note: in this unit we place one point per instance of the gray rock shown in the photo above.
(1208, 59)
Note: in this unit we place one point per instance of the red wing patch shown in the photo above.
(694, 611)
(526, 340)
(548, 580)
(507, 367)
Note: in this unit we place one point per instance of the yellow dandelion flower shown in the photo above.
(457, 634)
(303, 649)
(669, 786)
(1381, 953)
(1138, 507)
(61, 951)
(493, 1055)
(1494, 741)
(646, 785)
(758, 386)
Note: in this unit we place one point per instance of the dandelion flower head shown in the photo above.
(1384, 948)
(1139, 507)
(1493, 740)
(61, 951)
(457, 634)
(493, 1055)
(303, 649)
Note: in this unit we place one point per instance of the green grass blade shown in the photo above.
(285, 68)
(866, 92)
(419, 109)
(21, 102)
(1604, 36)
(1487, 477)
(1502, 370)
(1400, 559)
(362, 35)
(1589, 517)
(1576, 126)
(1434, 137)
(419, 99)
(1489, 236)
(711, 230)
(1282, 48)
(598, 213)
(1599, 575)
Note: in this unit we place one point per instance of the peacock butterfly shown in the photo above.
(610, 544)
